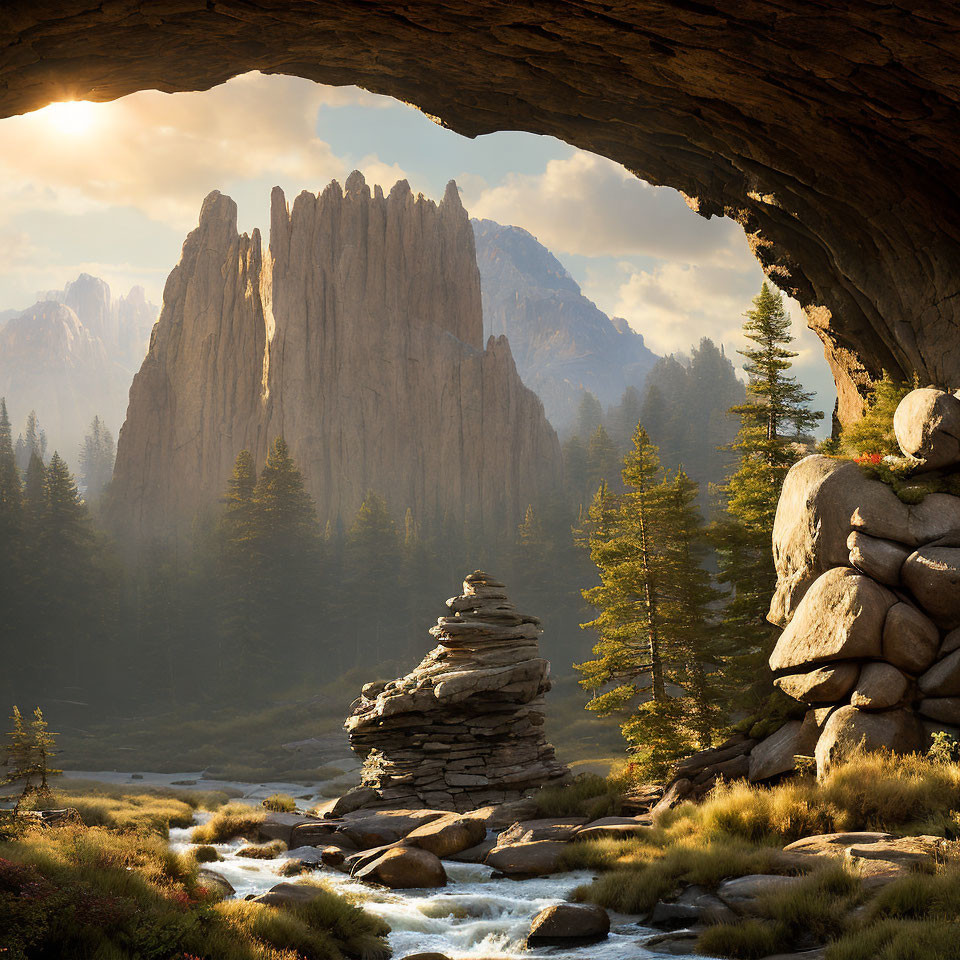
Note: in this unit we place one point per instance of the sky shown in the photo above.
(112, 189)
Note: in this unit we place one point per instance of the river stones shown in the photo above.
(538, 858)
(465, 728)
(448, 835)
(569, 924)
(404, 868)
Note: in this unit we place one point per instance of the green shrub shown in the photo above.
(206, 854)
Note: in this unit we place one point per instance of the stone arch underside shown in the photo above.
(828, 129)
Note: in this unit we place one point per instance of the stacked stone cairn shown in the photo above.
(869, 591)
(465, 728)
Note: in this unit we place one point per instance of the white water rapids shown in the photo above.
(475, 916)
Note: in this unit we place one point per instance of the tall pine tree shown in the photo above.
(775, 422)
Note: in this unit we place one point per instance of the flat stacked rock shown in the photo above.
(465, 728)
(869, 591)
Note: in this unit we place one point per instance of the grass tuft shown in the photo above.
(230, 821)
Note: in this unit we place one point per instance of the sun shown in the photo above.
(73, 117)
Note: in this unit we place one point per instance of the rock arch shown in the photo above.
(827, 130)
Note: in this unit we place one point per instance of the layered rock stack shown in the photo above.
(869, 588)
(465, 728)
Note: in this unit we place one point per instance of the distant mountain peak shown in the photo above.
(562, 342)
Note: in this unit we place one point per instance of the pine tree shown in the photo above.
(373, 554)
(12, 584)
(589, 415)
(655, 651)
(19, 758)
(32, 441)
(625, 416)
(774, 425)
(873, 432)
(603, 461)
(96, 459)
(575, 469)
(43, 744)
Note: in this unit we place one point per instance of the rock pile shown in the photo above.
(465, 728)
(869, 590)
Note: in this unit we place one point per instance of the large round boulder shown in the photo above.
(910, 638)
(821, 500)
(849, 729)
(879, 559)
(927, 426)
(840, 618)
(404, 868)
(879, 687)
(569, 924)
(823, 685)
(535, 859)
(448, 835)
(932, 574)
(943, 678)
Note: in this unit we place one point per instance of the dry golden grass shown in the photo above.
(231, 820)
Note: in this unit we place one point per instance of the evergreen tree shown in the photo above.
(11, 538)
(575, 469)
(589, 415)
(32, 441)
(19, 760)
(603, 462)
(43, 743)
(372, 573)
(97, 455)
(774, 425)
(625, 416)
(873, 432)
(655, 649)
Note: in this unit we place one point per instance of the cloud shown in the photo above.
(162, 153)
(588, 205)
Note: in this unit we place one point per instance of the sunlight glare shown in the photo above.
(70, 116)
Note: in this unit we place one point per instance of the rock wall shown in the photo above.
(869, 589)
(465, 728)
(358, 336)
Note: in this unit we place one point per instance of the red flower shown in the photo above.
(872, 458)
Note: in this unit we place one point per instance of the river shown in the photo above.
(475, 916)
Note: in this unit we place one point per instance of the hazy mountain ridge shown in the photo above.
(71, 356)
(562, 342)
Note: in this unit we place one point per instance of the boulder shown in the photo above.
(849, 728)
(927, 427)
(910, 638)
(775, 755)
(351, 801)
(477, 854)
(840, 618)
(289, 895)
(935, 517)
(943, 678)
(536, 859)
(367, 829)
(932, 574)
(616, 828)
(880, 687)
(823, 685)
(500, 815)
(564, 828)
(950, 643)
(742, 893)
(404, 868)
(215, 882)
(680, 943)
(814, 515)
(308, 855)
(944, 709)
(280, 826)
(425, 956)
(879, 559)
(569, 924)
(835, 844)
(448, 835)
(910, 851)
